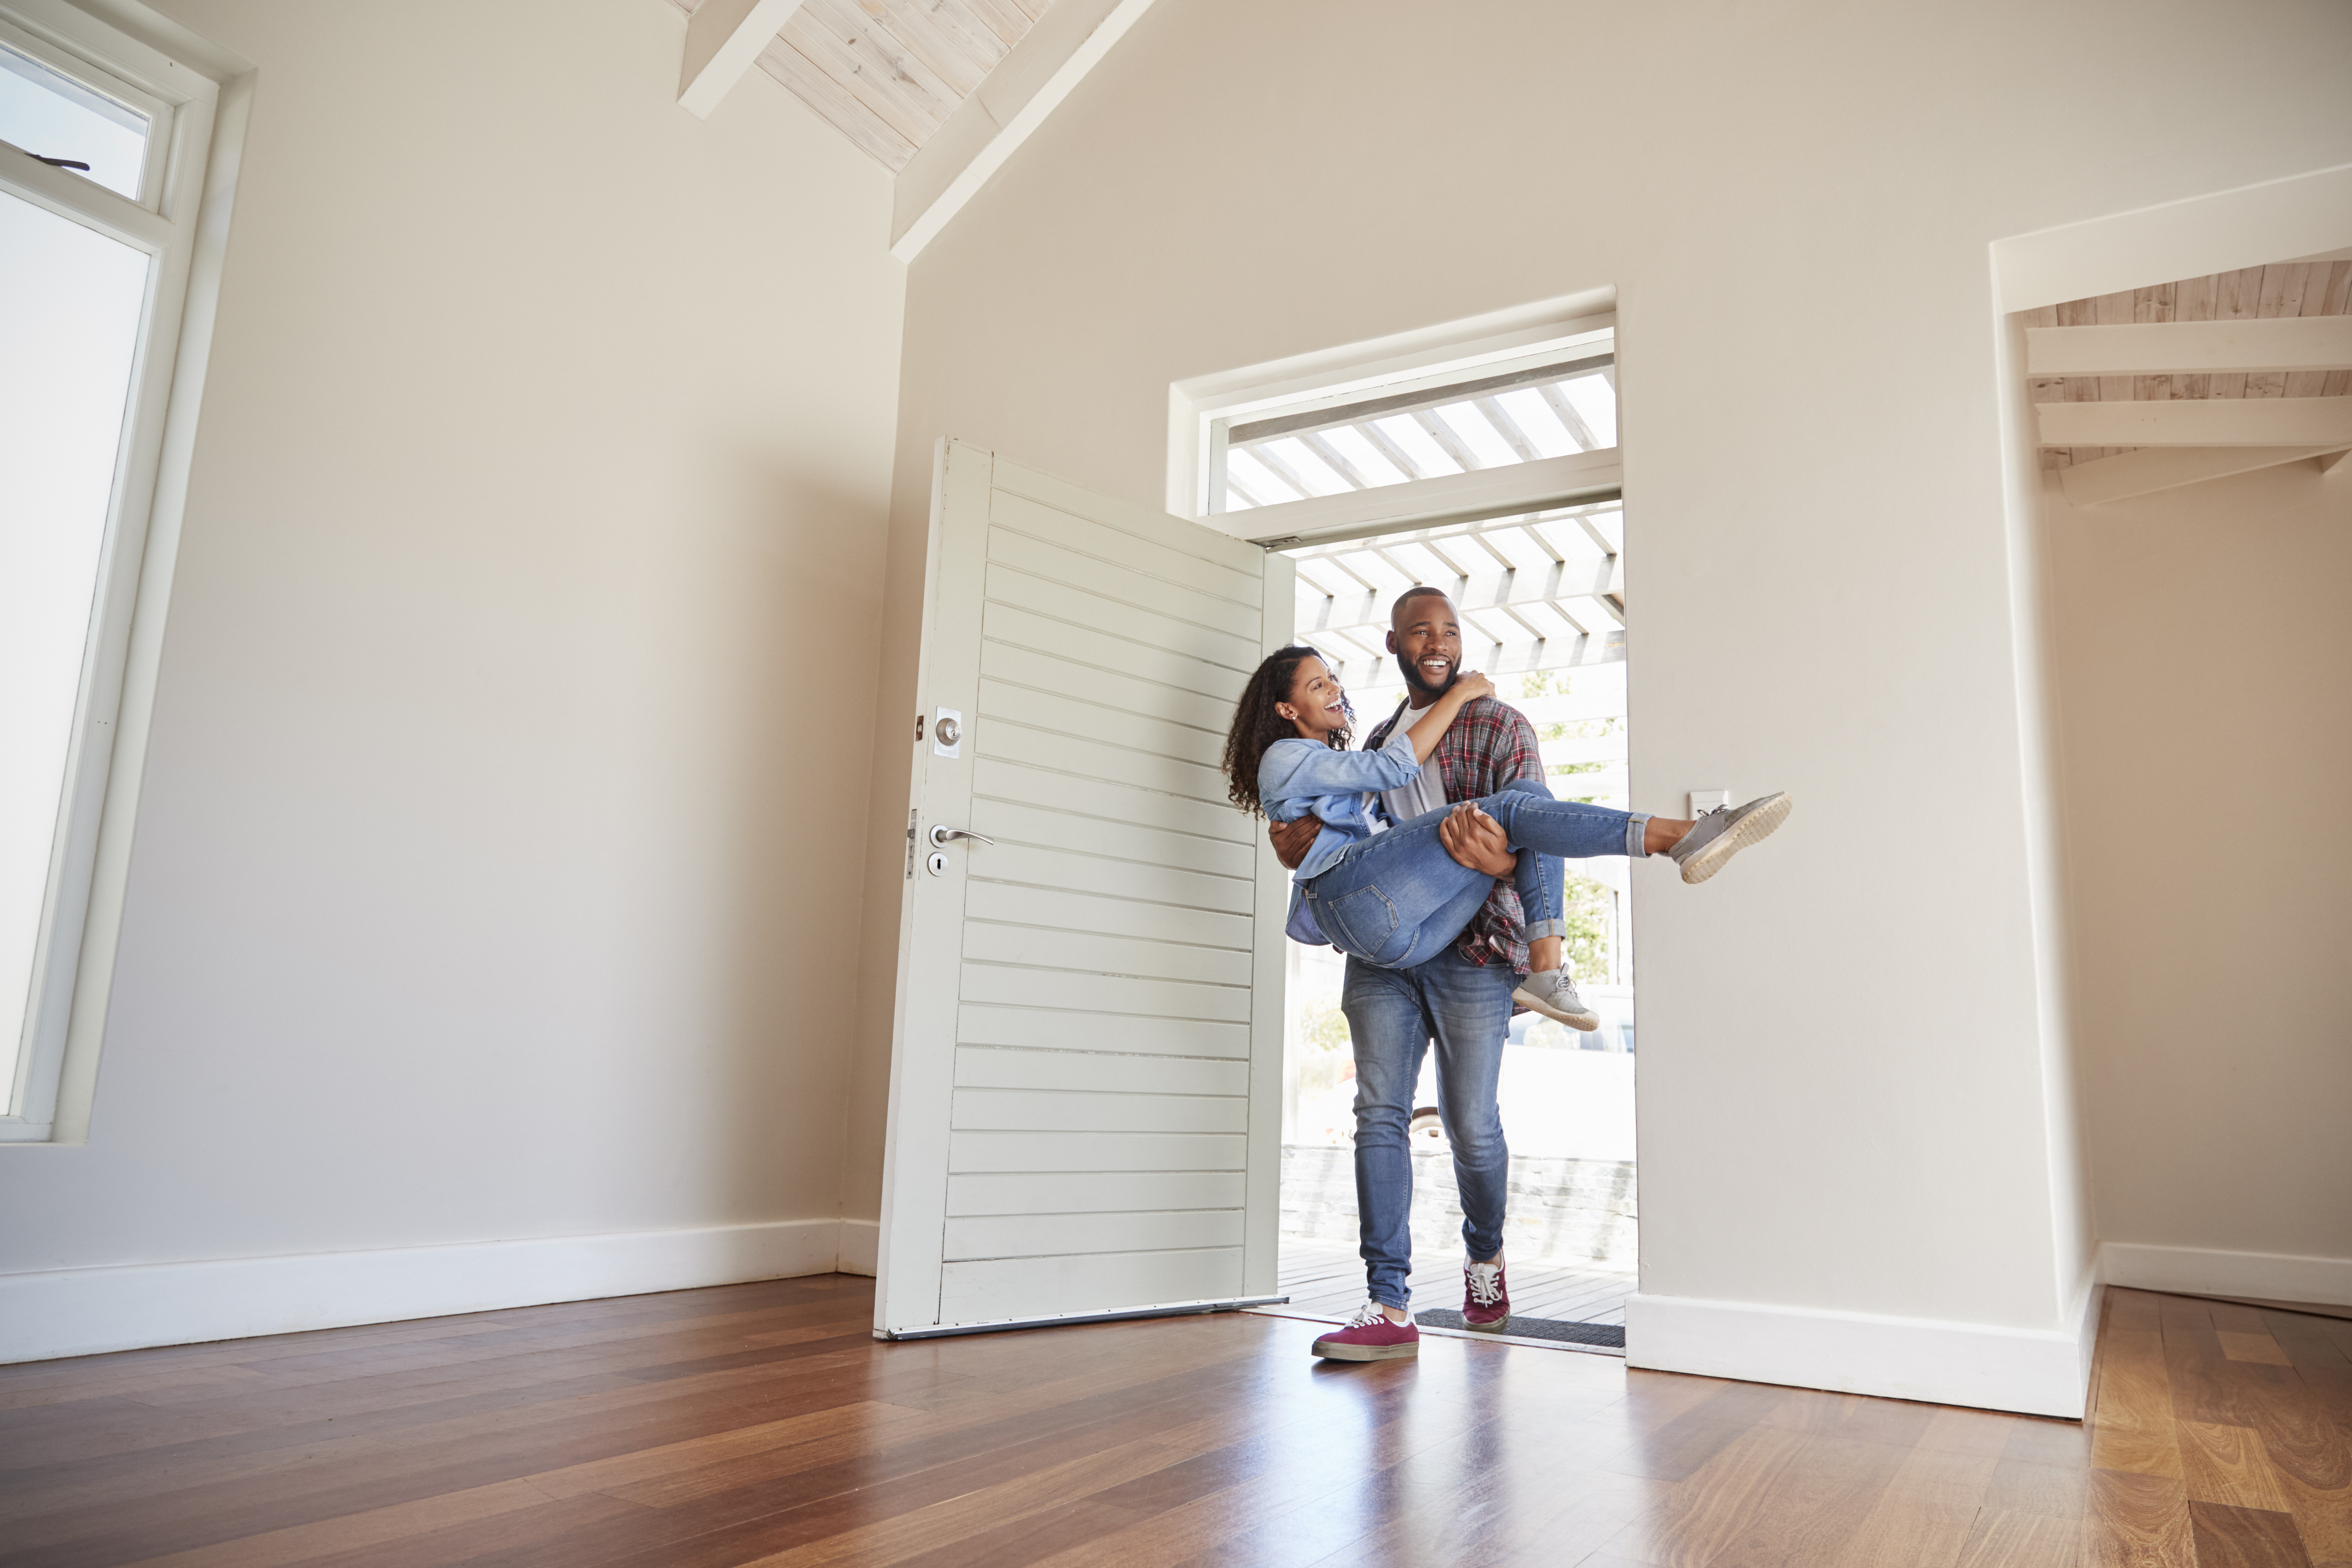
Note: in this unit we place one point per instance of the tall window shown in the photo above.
(103, 144)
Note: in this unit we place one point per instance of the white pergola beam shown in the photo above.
(2323, 423)
(2154, 469)
(1506, 591)
(1028, 84)
(2157, 348)
(722, 39)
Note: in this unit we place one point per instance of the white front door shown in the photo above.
(1087, 1056)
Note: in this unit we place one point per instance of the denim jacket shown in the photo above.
(1298, 777)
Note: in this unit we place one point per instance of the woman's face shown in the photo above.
(1317, 705)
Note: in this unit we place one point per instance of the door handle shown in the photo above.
(942, 835)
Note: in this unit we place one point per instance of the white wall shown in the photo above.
(491, 878)
(2203, 649)
(1796, 212)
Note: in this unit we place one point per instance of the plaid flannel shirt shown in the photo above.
(1488, 745)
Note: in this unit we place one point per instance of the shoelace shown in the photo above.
(1367, 1315)
(1486, 1283)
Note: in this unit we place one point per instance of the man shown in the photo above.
(1462, 999)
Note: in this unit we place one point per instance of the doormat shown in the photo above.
(1610, 1334)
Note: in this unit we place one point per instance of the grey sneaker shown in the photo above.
(1725, 831)
(1552, 993)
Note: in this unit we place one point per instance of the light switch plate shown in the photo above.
(1706, 800)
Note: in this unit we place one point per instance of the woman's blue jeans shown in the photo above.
(1397, 899)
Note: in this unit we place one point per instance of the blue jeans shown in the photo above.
(1397, 899)
(1392, 1016)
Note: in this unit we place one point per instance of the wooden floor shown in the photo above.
(1325, 1281)
(761, 1424)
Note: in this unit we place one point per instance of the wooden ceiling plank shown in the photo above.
(1033, 9)
(2302, 343)
(835, 105)
(974, 36)
(913, 27)
(1003, 18)
(816, 44)
(2154, 469)
(877, 51)
(2215, 422)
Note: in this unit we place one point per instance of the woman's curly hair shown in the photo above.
(1257, 724)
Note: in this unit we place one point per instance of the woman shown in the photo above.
(1397, 899)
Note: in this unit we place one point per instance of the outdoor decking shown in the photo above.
(1325, 1281)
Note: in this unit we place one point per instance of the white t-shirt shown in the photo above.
(1425, 792)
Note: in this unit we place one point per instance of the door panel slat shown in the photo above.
(1011, 742)
(1111, 688)
(985, 1025)
(1183, 567)
(991, 1292)
(1044, 1110)
(1042, 827)
(1017, 628)
(1114, 802)
(1110, 917)
(1051, 711)
(1086, 954)
(1066, 1235)
(986, 1151)
(1103, 994)
(1021, 479)
(982, 1067)
(1121, 583)
(1082, 1192)
(1115, 879)
(1145, 628)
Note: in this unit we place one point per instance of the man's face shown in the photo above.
(1426, 637)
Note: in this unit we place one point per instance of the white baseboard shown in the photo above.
(2198, 1271)
(2038, 1372)
(861, 1246)
(82, 1311)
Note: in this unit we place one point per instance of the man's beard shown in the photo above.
(1419, 687)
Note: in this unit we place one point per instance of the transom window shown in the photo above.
(1548, 411)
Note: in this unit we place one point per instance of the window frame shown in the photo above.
(197, 99)
(1203, 409)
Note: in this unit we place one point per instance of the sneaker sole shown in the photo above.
(1500, 1325)
(1366, 1352)
(1588, 1022)
(1753, 828)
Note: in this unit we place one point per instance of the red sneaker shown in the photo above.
(1369, 1336)
(1485, 1299)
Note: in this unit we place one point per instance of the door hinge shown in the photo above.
(911, 842)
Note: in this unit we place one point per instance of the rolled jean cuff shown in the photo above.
(1637, 828)
(1536, 930)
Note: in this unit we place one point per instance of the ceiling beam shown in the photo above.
(722, 39)
(2154, 469)
(2321, 422)
(1014, 99)
(2155, 348)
